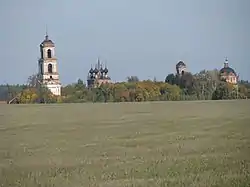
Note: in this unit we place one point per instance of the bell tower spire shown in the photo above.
(46, 33)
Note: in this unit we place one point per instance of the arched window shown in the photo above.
(50, 68)
(49, 53)
(41, 50)
(41, 68)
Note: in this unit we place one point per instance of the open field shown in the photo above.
(128, 144)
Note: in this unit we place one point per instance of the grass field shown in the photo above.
(129, 144)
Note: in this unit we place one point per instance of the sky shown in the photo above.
(144, 38)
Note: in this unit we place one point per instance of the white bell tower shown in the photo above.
(47, 67)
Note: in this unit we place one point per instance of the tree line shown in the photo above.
(205, 85)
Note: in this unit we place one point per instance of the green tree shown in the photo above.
(171, 79)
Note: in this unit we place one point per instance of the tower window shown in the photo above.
(41, 68)
(50, 68)
(49, 53)
(41, 50)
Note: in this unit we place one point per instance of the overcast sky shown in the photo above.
(136, 37)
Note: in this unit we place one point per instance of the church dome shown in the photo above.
(96, 70)
(101, 70)
(226, 69)
(106, 70)
(47, 41)
(91, 71)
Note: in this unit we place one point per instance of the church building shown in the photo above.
(98, 76)
(181, 68)
(48, 68)
(228, 74)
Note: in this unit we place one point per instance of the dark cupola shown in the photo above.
(226, 69)
(47, 42)
(101, 70)
(91, 71)
(106, 70)
(96, 70)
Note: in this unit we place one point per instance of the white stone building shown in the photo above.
(228, 74)
(48, 68)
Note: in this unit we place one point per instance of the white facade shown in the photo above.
(181, 69)
(55, 89)
(47, 67)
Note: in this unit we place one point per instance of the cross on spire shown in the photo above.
(226, 63)
(98, 63)
(46, 33)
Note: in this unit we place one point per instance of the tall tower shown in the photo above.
(47, 67)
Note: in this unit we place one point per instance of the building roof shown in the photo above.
(99, 68)
(227, 70)
(180, 63)
(91, 70)
(106, 70)
(47, 41)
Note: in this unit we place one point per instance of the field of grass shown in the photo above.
(129, 144)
